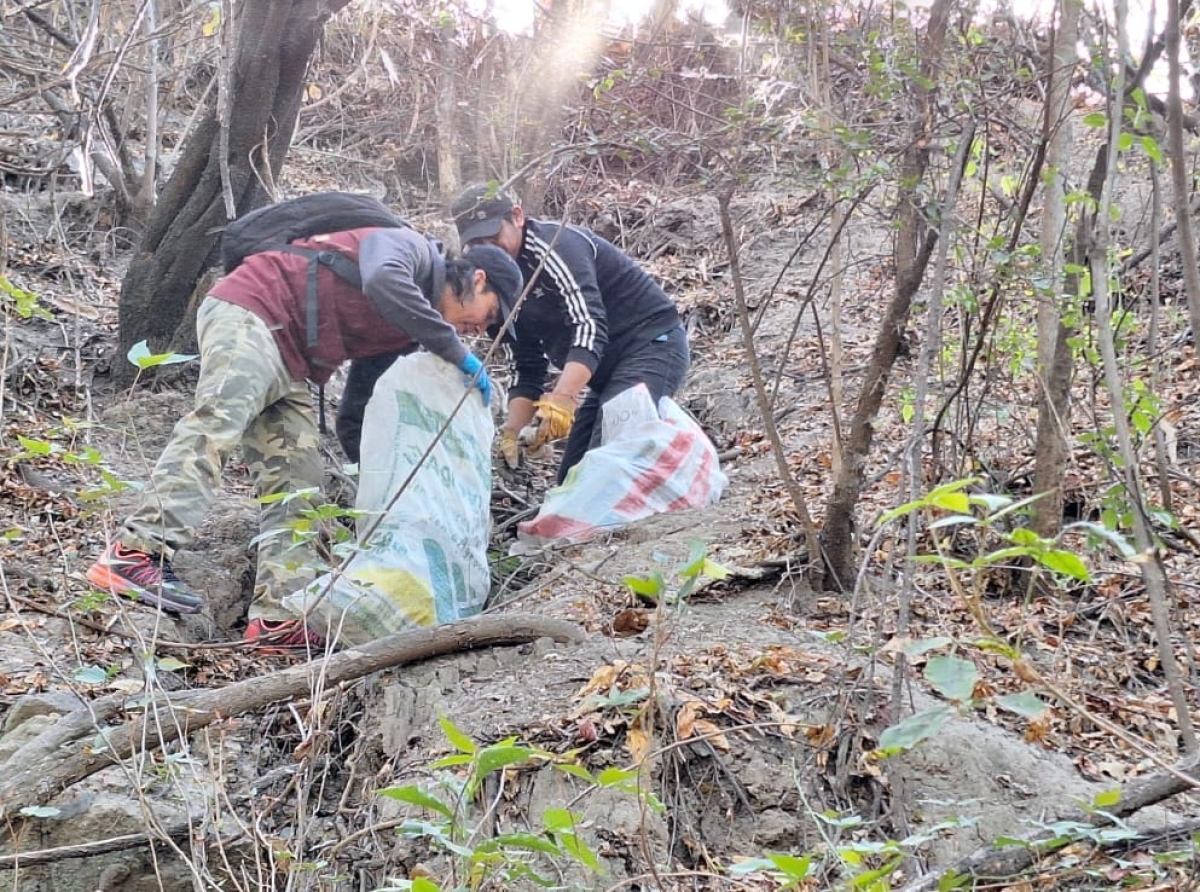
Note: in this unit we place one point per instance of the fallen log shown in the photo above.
(81, 743)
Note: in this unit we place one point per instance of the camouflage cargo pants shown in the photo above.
(245, 397)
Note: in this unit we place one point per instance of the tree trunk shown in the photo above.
(446, 111)
(1181, 173)
(912, 258)
(274, 40)
(1055, 361)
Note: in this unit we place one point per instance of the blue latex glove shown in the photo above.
(477, 375)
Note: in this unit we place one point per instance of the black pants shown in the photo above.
(660, 364)
(360, 384)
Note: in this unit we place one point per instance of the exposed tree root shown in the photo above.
(80, 744)
(22, 860)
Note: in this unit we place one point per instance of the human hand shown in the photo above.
(509, 448)
(477, 375)
(556, 414)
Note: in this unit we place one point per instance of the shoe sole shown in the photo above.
(271, 649)
(105, 579)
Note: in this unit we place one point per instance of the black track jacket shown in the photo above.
(589, 302)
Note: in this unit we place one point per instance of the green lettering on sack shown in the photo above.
(411, 411)
(439, 581)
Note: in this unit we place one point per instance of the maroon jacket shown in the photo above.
(401, 269)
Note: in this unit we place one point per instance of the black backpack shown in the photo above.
(273, 227)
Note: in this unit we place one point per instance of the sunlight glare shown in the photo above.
(517, 16)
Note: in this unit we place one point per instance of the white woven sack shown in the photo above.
(650, 460)
(426, 562)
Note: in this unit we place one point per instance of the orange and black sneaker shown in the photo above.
(143, 577)
(288, 636)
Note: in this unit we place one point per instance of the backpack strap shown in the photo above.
(347, 270)
(341, 265)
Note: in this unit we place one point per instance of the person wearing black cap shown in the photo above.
(256, 357)
(590, 310)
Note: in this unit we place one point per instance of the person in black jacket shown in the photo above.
(589, 309)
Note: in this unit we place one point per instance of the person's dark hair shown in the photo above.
(459, 275)
(503, 278)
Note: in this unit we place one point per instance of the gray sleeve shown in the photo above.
(393, 262)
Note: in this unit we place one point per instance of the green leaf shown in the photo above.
(908, 733)
(831, 636)
(559, 819)
(424, 884)
(1095, 119)
(1008, 841)
(579, 850)
(1065, 562)
(956, 502)
(172, 664)
(1023, 536)
(414, 795)
(90, 675)
(40, 811)
(533, 842)
(996, 646)
(1107, 798)
(26, 302)
(750, 865)
(1116, 540)
(920, 646)
(1150, 147)
(457, 738)
(648, 586)
(793, 867)
(868, 880)
(575, 770)
(613, 776)
(952, 677)
(991, 501)
(35, 447)
(139, 354)
(495, 757)
(953, 520)
(695, 561)
(952, 880)
(1023, 703)
(840, 822)
(899, 511)
(1003, 555)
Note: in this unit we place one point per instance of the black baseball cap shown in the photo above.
(503, 275)
(480, 210)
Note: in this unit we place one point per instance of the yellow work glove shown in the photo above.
(556, 414)
(509, 448)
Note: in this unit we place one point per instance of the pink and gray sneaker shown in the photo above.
(289, 636)
(144, 577)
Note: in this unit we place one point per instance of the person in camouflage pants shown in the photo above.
(245, 396)
(257, 353)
